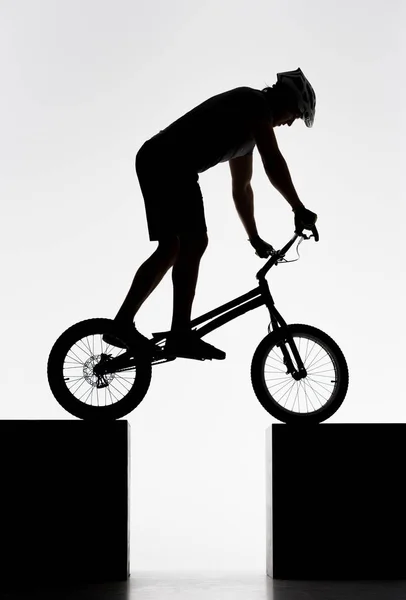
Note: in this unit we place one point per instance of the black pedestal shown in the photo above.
(336, 501)
(64, 501)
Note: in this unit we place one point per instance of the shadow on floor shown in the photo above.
(217, 586)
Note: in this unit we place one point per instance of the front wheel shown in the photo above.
(291, 399)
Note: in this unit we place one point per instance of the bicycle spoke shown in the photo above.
(307, 353)
(113, 387)
(323, 379)
(83, 348)
(280, 367)
(278, 371)
(87, 344)
(328, 362)
(297, 394)
(292, 387)
(314, 359)
(320, 384)
(304, 383)
(306, 396)
(281, 387)
(280, 363)
(79, 360)
(110, 388)
(111, 395)
(288, 391)
(321, 373)
(83, 381)
(315, 392)
(89, 393)
(119, 376)
(122, 381)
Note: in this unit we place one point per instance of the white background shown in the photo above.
(84, 84)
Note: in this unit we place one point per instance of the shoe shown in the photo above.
(188, 344)
(142, 342)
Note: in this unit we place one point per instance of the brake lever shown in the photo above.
(314, 231)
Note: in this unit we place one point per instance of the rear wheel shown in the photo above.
(289, 398)
(77, 384)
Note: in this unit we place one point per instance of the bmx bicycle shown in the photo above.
(298, 372)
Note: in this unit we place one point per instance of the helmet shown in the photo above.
(306, 98)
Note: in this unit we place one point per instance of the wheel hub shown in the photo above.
(301, 374)
(94, 379)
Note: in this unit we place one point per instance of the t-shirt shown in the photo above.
(217, 130)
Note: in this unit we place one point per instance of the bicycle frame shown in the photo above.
(214, 319)
(259, 296)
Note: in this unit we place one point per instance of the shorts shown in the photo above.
(172, 196)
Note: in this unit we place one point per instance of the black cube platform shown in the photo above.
(336, 501)
(64, 503)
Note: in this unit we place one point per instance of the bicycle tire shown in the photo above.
(269, 401)
(58, 381)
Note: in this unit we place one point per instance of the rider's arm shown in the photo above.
(243, 196)
(274, 163)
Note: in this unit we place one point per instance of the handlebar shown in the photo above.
(278, 255)
(298, 233)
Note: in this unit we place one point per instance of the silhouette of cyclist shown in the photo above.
(225, 127)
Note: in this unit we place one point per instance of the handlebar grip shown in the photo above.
(306, 219)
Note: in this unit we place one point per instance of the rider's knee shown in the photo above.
(194, 243)
(169, 247)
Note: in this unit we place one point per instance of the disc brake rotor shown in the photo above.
(98, 381)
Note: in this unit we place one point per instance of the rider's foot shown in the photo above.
(187, 344)
(142, 342)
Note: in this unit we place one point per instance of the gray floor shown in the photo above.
(201, 586)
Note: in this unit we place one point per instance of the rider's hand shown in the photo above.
(306, 219)
(262, 248)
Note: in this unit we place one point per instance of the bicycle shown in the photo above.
(94, 380)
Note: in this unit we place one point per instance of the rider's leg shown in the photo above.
(182, 341)
(184, 277)
(148, 277)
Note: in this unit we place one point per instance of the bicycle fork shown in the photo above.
(298, 372)
(287, 342)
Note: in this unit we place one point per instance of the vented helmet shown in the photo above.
(304, 93)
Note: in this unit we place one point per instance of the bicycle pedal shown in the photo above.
(163, 359)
